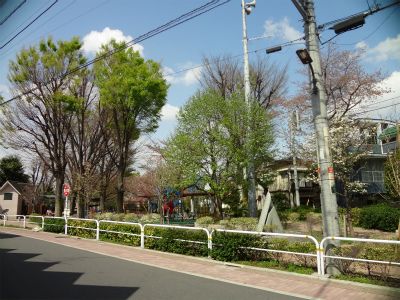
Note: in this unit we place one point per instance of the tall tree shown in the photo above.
(11, 168)
(134, 91)
(204, 147)
(39, 120)
(267, 85)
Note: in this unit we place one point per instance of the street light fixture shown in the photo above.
(249, 6)
(304, 56)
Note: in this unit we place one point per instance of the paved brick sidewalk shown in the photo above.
(294, 284)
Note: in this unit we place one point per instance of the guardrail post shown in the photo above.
(66, 225)
(24, 221)
(142, 235)
(97, 230)
(42, 222)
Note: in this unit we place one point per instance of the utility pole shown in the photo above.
(251, 181)
(294, 125)
(319, 102)
(330, 219)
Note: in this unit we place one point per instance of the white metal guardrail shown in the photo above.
(29, 221)
(317, 254)
(6, 217)
(141, 235)
(97, 229)
(319, 246)
(323, 256)
(209, 241)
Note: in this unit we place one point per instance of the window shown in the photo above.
(372, 176)
(8, 196)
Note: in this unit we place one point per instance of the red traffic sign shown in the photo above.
(66, 189)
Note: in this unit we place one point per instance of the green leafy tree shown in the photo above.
(134, 91)
(392, 175)
(39, 121)
(209, 144)
(11, 168)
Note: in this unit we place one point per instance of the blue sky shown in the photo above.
(218, 32)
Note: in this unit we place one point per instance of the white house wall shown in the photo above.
(14, 206)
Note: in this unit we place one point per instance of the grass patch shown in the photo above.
(369, 280)
(273, 264)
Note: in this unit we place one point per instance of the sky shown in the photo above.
(215, 33)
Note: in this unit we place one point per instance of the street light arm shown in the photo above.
(301, 9)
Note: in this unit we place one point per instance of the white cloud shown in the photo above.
(93, 40)
(187, 78)
(169, 112)
(385, 50)
(388, 106)
(281, 30)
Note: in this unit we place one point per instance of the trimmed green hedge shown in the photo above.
(126, 238)
(54, 225)
(82, 228)
(380, 216)
(170, 240)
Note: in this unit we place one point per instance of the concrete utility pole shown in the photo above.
(293, 129)
(319, 101)
(251, 181)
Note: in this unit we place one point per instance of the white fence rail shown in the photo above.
(285, 235)
(323, 256)
(209, 239)
(319, 254)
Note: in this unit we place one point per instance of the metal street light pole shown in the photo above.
(251, 195)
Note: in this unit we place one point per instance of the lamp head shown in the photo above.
(304, 56)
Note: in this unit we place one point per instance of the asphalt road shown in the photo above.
(33, 269)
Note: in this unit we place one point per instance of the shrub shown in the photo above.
(228, 246)
(181, 241)
(281, 201)
(204, 221)
(133, 218)
(35, 219)
(380, 216)
(82, 228)
(127, 234)
(243, 223)
(54, 225)
(150, 219)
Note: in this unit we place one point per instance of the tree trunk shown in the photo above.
(80, 205)
(120, 191)
(349, 220)
(103, 197)
(59, 195)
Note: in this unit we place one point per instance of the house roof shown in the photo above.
(26, 190)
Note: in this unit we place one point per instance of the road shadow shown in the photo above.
(7, 236)
(21, 279)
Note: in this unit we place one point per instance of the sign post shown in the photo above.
(66, 190)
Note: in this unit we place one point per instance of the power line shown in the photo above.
(378, 108)
(211, 5)
(11, 13)
(93, 8)
(29, 24)
(289, 43)
(373, 32)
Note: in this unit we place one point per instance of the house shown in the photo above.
(284, 181)
(16, 197)
(381, 139)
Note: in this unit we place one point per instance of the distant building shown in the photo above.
(16, 197)
(284, 181)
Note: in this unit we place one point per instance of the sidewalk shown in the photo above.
(271, 280)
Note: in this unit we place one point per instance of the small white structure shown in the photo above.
(14, 196)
